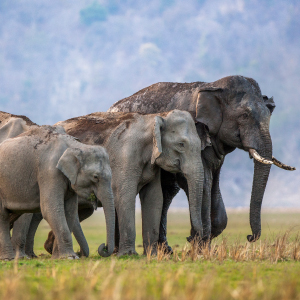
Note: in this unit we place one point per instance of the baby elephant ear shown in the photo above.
(70, 163)
(269, 103)
(157, 145)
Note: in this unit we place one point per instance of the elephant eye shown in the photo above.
(244, 116)
(95, 176)
(181, 145)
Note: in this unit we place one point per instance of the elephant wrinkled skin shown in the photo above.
(44, 169)
(139, 146)
(236, 115)
(24, 229)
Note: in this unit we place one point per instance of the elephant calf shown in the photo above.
(45, 170)
(139, 146)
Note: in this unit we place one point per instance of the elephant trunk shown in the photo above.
(260, 179)
(195, 191)
(80, 238)
(107, 200)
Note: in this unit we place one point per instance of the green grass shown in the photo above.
(241, 274)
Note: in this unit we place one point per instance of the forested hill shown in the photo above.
(60, 59)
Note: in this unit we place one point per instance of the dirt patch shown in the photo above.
(96, 127)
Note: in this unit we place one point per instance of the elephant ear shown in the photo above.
(69, 163)
(208, 108)
(159, 125)
(204, 135)
(269, 103)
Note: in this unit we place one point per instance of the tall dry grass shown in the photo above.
(183, 275)
(280, 248)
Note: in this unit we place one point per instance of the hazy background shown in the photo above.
(60, 59)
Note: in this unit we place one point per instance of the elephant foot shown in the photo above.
(22, 256)
(31, 255)
(8, 257)
(65, 256)
(165, 247)
(49, 242)
(199, 243)
(127, 252)
(73, 257)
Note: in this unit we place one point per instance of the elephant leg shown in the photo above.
(82, 214)
(125, 206)
(35, 221)
(54, 209)
(71, 214)
(218, 211)
(6, 249)
(12, 219)
(19, 235)
(77, 230)
(48, 245)
(151, 202)
(170, 189)
(117, 234)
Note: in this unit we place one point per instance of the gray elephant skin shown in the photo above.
(237, 115)
(44, 170)
(25, 226)
(138, 147)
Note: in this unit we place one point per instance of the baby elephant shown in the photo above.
(44, 170)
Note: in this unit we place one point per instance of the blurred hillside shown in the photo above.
(60, 59)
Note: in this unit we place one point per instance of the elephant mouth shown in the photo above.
(93, 199)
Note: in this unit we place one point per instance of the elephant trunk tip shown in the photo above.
(253, 238)
(103, 251)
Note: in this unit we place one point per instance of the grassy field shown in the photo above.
(230, 269)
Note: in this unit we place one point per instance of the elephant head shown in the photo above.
(237, 115)
(176, 148)
(89, 172)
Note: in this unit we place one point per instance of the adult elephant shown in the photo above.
(237, 115)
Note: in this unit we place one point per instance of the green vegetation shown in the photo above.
(230, 269)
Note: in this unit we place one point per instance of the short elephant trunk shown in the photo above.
(260, 179)
(107, 200)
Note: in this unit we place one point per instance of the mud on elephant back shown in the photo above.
(236, 115)
(139, 147)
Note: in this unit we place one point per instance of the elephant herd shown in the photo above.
(165, 137)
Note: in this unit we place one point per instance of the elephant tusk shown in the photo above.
(256, 156)
(281, 165)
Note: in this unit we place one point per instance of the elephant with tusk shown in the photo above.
(236, 115)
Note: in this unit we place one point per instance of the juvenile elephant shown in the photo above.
(237, 115)
(139, 146)
(24, 230)
(45, 170)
